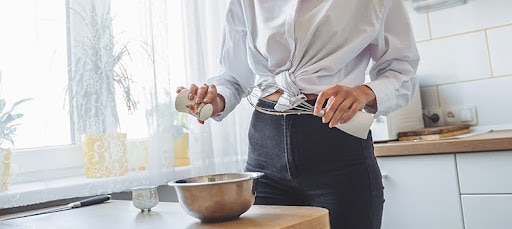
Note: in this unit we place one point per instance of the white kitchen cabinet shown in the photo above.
(485, 172)
(421, 192)
(485, 180)
(487, 211)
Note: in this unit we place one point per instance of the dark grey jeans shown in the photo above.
(307, 163)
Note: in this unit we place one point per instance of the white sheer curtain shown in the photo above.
(153, 25)
(164, 44)
(216, 147)
(183, 50)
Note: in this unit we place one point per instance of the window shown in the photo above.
(43, 44)
(33, 64)
(44, 48)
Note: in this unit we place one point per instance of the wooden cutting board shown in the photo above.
(433, 133)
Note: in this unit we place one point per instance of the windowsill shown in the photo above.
(42, 175)
(30, 193)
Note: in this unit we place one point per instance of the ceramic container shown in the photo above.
(145, 197)
(5, 167)
(183, 104)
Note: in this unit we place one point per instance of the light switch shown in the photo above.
(465, 115)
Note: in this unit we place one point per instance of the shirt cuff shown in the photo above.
(229, 103)
(384, 97)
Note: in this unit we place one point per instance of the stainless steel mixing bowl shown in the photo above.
(217, 197)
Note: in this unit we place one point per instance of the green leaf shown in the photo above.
(6, 128)
(18, 103)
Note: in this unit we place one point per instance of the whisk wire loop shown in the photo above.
(301, 107)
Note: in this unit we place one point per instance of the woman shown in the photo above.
(316, 51)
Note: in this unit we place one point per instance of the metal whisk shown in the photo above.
(358, 126)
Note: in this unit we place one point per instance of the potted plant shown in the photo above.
(98, 74)
(173, 126)
(7, 129)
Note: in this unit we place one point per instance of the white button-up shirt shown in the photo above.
(306, 46)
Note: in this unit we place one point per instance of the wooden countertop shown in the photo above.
(490, 141)
(122, 214)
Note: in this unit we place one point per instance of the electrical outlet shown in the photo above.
(433, 116)
(460, 114)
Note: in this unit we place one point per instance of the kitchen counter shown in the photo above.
(122, 214)
(489, 141)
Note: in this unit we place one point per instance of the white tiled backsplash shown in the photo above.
(466, 58)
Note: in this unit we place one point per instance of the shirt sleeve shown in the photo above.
(236, 76)
(395, 55)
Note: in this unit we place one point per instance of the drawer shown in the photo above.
(485, 173)
(487, 211)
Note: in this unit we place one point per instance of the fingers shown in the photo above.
(201, 93)
(332, 98)
(192, 95)
(336, 110)
(210, 93)
(320, 100)
(204, 94)
(340, 112)
(342, 103)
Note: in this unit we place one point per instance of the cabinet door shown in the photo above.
(486, 172)
(421, 192)
(487, 211)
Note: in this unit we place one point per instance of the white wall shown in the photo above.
(466, 58)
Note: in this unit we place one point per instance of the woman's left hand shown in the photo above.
(343, 102)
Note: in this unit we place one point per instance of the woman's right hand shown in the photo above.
(206, 94)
